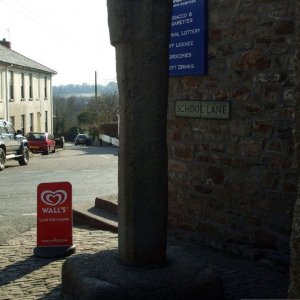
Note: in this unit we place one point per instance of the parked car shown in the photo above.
(13, 145)
(82, 139)
(41, 142)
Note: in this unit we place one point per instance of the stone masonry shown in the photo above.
(235, 181)
(294, 290)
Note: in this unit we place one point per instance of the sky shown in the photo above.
(68, 36)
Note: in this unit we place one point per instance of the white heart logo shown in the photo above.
(54, 198)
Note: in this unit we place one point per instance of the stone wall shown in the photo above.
(235, 180)
(294, 290)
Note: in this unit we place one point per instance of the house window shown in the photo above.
(1, 85)
(23, 123)
(30, 86)
(22, 86)
(39, 87)
(46, 121)
(12, 121)
(45, 87)
(31, 122)
(11, 85)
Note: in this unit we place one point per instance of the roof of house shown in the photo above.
(8, 56)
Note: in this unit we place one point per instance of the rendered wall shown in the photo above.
(37, 104)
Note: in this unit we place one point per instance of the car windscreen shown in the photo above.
(35, 136)
(3, 130)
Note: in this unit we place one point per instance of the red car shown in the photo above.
(41, 142)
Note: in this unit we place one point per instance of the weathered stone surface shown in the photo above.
(242, 162)
(215, 175)
(103, 276)
(264, 239)
(139, 30)
(294, 289)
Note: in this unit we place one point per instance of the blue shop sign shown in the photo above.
(188, 38)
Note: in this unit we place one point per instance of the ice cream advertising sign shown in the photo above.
(54, 214)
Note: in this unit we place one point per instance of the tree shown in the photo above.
(66, 111)
(104, 109)
(83, 113)
(84, 118)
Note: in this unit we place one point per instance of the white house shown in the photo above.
(26, 98)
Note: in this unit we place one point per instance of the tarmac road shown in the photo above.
(92, 171)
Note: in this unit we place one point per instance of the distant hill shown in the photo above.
(84, 89)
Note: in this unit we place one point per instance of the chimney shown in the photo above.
(5, 43)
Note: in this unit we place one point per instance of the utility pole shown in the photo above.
(96, 85)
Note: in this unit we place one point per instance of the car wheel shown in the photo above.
(24, 160)
(2, 159)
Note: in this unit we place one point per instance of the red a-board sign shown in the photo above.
(54, 214)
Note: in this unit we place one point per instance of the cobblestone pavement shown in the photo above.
(24, 276)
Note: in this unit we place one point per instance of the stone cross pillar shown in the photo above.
(139, 30)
